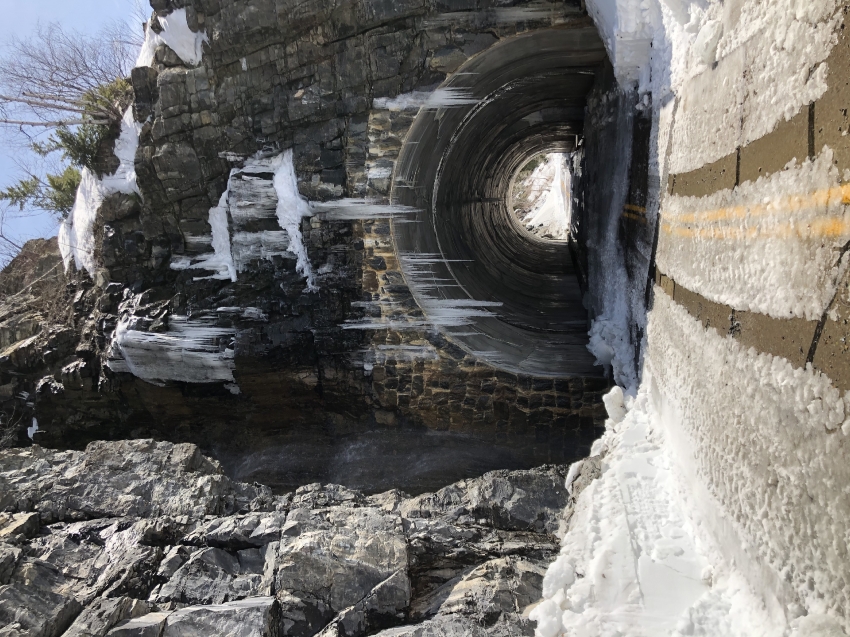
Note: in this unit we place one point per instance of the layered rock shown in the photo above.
(150, 538)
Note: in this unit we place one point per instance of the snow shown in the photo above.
(76, 232)
(632, 563)
(720, 510)
(176, 34)
(627, 28)
(768, 246)
(291, 209)
(778, 428)
(546, 209)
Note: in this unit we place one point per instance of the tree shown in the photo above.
(63, 93)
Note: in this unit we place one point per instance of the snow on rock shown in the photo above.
(768, 246)
(76, 233)
(546, 208)
(176, 34)
(291, 208)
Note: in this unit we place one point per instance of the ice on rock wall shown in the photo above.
(193, 350)
(176, 34)
(446, 97)
(291, 209)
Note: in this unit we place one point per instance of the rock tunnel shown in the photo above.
(529, 96)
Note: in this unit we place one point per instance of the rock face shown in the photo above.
(276, 379)
(150, 538)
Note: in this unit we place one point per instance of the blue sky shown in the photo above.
(21, 19)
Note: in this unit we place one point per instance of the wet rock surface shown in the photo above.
(150, 538)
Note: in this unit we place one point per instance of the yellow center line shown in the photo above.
(783, 204)
(822, 227)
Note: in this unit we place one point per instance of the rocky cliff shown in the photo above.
(151, 538)
(251, 295)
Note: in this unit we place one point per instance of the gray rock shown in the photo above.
(9, 556)
(26, 524)
(100, 616)
(136, 478)
(214, 576)
(164, 535)
(257, 617)
(35, 611)
(149, 625)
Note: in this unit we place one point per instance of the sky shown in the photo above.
(21, 19)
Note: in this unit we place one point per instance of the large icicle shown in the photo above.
(291, 208)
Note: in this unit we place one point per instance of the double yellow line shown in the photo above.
(822, 226)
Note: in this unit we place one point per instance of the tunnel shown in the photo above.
(522, 296)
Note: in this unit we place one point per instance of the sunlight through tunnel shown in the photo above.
(512, 297)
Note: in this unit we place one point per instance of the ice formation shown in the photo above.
(76, 232)
(291, 209)
(357, 209)
(193, 350)
(220, 260)
(176, 34)
(446, 97)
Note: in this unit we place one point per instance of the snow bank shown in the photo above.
(76, 233)
(763, 459)
(768, 246)
(291, 209)
(632, 563)
(176, 34)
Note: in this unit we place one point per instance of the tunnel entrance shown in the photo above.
(508, 296)
(540, 196)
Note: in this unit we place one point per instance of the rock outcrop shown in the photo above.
(143, 538)
(251, 361)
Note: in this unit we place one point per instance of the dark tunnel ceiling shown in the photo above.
(456, 168)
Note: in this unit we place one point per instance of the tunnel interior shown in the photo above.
(504, 294)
